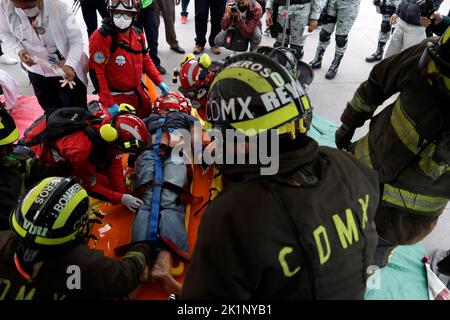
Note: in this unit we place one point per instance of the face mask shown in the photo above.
(121, 23)
(31, 12)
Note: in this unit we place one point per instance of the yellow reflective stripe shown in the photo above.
(429, 166)
(56, 241)
(33, 194)
(252, 78)
(405, 128)
(362, 151)
(445, 36)
(13, 136)
(446, 82)
(358, 104)
(68, 209)
(268, 121)
(305, 102)
(17, 228)
(412, 201)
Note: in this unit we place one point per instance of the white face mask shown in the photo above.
(31, 12)
(121, 23)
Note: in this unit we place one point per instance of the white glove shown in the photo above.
(131, 203)
(65, 82)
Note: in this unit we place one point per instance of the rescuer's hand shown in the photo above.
(164, 88)
(344, 137)
(131, 203)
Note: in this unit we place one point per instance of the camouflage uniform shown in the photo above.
(340, 14)
(386, 8)
(298, 18)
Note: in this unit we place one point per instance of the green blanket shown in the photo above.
(404, 278)
(323, 130)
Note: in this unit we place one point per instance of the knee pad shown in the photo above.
(324, 36)
(341, 41)
(385, 27)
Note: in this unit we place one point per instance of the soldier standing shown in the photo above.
(339, 14)
(386, 8)
(301, 13)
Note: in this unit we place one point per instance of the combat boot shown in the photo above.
(334, 66)
(317, 61)
(378, 55)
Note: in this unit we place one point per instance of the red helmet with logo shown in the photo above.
(171, 102)
(126, 131)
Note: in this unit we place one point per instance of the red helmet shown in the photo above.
(194, 75)
(126, 131)
(124, 5)
(171, 102)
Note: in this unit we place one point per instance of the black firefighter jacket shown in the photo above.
(78, 273)
(404, 138)
(305, 233)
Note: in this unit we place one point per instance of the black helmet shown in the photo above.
(256, 93)
(8, 131)
(286, 57)
(283, 56)
(52, 214)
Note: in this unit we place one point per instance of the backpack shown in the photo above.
(108, 30)
(58, 123)
(235, 41)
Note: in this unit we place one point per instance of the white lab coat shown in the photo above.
(17, 34)
(10, 89)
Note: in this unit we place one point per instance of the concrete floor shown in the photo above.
(329, 98)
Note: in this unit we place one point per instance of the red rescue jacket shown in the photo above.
(118, 66)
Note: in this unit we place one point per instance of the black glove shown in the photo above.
(344, 137)
(444, 266)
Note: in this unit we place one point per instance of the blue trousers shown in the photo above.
(172, 215)
(184, 6)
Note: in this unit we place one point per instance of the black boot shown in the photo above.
(334, 66)
(317, 62)
(378, 55)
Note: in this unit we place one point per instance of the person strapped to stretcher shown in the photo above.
(161, 179)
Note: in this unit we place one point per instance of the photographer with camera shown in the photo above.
(241, 23)
(408, 30)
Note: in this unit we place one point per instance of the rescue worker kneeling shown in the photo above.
(304, 232)
(408, 144)
(119, 58)
(245, 17)
(161, 218)
(46, 257)
(92, 154)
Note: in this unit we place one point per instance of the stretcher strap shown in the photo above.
(157, 188)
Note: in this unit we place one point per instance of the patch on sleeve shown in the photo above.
(99, 57)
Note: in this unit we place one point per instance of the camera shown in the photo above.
(234, 7)
(426, 8)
